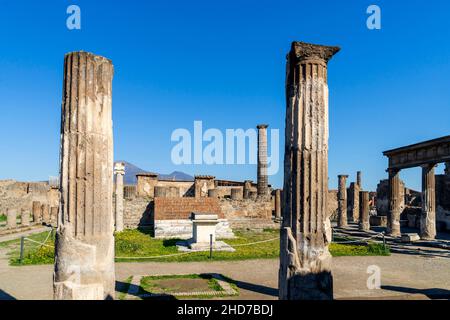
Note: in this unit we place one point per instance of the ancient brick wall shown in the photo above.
(181, 208)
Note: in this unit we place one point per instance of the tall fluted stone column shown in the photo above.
(84, 261)
(359, 179)
(11, 218)
(24, 218)
(305, 262)
(364, 224)
(277, 204)
(342, 201)
(263, 180)
(119, 171)
(393, 223)
(428, 216)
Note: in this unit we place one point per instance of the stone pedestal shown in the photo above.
(37, 212)
(342, 201)
(305, 262)
(11, 218)
(428, 216)
(203, 226)
(393, 221)
(119, 170)
(263, 180)
(25, 218)
(364, 210)
(84, 251)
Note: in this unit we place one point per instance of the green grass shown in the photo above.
(149, 284)
(2, 218)
(139, 244)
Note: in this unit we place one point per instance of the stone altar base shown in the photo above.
(191, 246)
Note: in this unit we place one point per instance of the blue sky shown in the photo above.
(223, 62)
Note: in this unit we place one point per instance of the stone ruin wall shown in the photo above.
(332, 207)
(21, 195)
(443, 202)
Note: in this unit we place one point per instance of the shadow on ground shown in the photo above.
(6, 296)
(432, 293)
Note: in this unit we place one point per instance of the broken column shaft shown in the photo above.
(84, 253)
(263, 181)
(305, 262)
(342, 201)
(428, 216)
(364, 209)
(119, 171)
(393, 223)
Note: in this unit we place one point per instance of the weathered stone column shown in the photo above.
(119, 171)
(46, 213)
(277, 204)
(24, 218)
(84, 253)
(305, 262)
(263, 180)
(247, 188)
(342, 201)
(364, 224)
(359, 179)
(11, 218)
(37, 212)
(354, 202)
(393, 223)
(428, 216)
(447, 168)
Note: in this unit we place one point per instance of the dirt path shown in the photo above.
(402, 277)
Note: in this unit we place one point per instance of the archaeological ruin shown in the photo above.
(305, 262)
(84, 248)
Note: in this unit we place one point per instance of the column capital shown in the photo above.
(119, 168)
(307, 51)
(262, 126)
(343, 176)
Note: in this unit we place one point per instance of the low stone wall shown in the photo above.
(246, 208)
(138, 212)
(182, 229)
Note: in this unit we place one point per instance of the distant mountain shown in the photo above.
(131, 171)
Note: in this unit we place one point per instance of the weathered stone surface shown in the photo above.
(353, 202)
(25, 218)
(11, 218)
(247, 188)
(342, 201)
(277, 204)
(54, 216)
(364, 223)
(395, 201)
(236, 194)
(428, 217)
(409, 237)
(213, 193)
(378, 221)
(359, 179)
(37, 212)
(46, 213)
(263, 180)
(202, 184)
(146, 183)
(119, 171)
(305, 262)
(84, 253)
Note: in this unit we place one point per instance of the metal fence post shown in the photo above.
(210, 246)
(22, 240)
